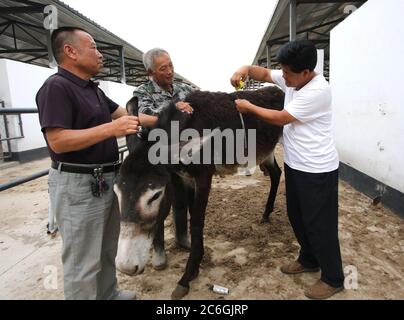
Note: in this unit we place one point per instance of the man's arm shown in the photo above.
(146, 120)
(254, 72)
(119, 112)
(276, 117)
(67, 140)
(145, 104)
(149, 121)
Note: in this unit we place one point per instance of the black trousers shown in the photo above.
(312, 205)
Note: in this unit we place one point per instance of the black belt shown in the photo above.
(72, 168)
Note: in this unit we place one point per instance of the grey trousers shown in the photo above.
(89, 227)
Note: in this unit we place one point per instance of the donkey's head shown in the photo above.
(143, 191)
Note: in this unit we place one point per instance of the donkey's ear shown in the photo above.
(132, 106)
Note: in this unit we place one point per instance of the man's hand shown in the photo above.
(125, 125)
(184, 107)
(251, 72)
(146, 120)
(67, 140)
(240, 74)
(243, 106)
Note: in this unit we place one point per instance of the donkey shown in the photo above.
(146, 190)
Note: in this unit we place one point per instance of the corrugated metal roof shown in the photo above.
(314, 21)
(24, 38)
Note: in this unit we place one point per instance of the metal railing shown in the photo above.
(17, 182)
(11, 184)
(7, 111)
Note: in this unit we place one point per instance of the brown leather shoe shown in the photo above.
(321, 290)
(296, 267)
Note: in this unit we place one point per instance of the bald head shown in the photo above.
(61, 37)
(76, 51)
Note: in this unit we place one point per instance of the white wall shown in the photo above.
(366, 76)
(4, 87)
(118, 92)
(19, 83)
(22, 81)
(320, 62)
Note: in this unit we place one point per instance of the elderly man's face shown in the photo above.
(163, 73)
(89, 59)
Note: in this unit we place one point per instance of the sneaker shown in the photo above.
(321, 290)
(296, 267)
(125, 295)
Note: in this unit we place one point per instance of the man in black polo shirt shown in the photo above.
(76, 119)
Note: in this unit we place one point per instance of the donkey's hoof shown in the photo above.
(264, 170)
(160, 267)
(159, 261)
(264, 220)
(179, 292)
(183, 244)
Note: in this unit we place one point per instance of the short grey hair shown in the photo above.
(149, 56)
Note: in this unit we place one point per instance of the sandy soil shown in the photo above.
(240, 253)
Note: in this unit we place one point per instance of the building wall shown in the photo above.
(19, 83)
(22, 83)
(366, 76)
(118, 92)
(4, 96)
(4, 85)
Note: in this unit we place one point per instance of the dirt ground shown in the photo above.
(240, 253)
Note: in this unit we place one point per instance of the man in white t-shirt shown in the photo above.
(311, 161)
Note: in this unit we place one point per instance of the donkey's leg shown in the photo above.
(197, 210)
(271, 166)
(159, 259)
(180, 212)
